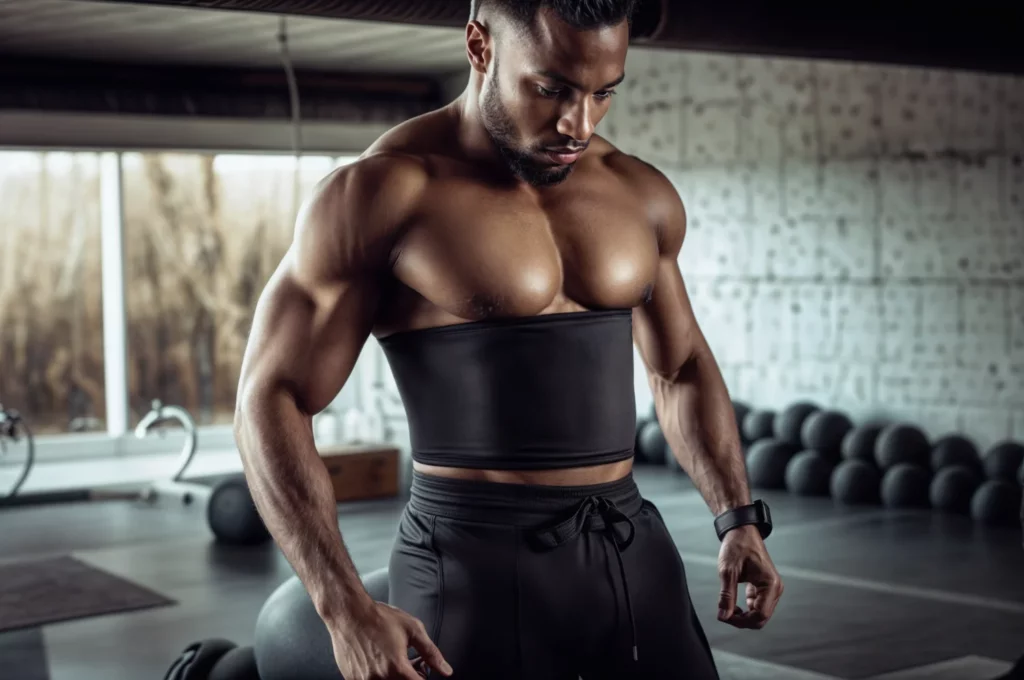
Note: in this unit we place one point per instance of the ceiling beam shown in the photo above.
(981, 35)
(254, 93)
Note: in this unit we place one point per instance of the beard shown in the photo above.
(498, 123)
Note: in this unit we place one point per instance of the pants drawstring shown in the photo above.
(594, 513)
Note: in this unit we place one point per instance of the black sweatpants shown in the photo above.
(547, 583)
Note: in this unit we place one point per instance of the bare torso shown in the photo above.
(481, 247)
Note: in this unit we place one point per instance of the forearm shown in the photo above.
(292, 491)
(699, 423)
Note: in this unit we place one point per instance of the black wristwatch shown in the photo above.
(757, 514)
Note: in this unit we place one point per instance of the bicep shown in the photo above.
(665, 329)
(305, 340)
(318, 309)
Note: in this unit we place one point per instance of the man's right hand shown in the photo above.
(373, 644)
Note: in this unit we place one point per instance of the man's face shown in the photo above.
(544, 95)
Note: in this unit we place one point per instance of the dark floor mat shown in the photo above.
(39, 592)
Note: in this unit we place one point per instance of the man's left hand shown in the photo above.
(744, 559)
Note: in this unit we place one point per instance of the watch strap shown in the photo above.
(756, 513)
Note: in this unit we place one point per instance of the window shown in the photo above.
(51, 300)
(203, 233)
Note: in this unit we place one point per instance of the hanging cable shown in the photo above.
(296, 111)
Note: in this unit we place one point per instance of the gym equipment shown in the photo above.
(1003, 461)
(11, 422)
(232, 515)
(740, 410)
(824, 431)
(230, 511)
(790, 421)
(1020, 476)
(175, 485)
(758, 425)
(288, 627)
(997, 503)
(198, 659)
(905, 486)
(856, 482)
(953, 487)
(859, 443)
(767, 461)
(809, 474)
(238, 664)
(900, 443)
(640, 424)
(955, 450)
(651, 444)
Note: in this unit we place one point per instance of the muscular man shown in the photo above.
(507, 258)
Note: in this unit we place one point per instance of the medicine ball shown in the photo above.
(790, 422)
(955, 450)
(758, 425)
(740, 410)
(902, 444)
(824, 431)
(232, 515)
(641, 423)
(906, 486)
(808, 474)
(996, 503)
(952, 488)
(1020, 475)
(198, 659)
(238, 664)
(651, 444)
(766, 463)
(855, 482)
(376, 584)
(859, 443)
(1003, 461)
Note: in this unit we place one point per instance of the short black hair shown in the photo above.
(580, 14)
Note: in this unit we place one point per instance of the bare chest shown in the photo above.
(474, 253)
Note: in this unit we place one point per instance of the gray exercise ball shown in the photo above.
(758, 425)
(859, 443)
(289, 628)
(855, 482)
(238, 664)
(1003, 461)
(808, 474)
(641, 423)
(766, 463)
(953, 487)
(955, 450)
(790, 422)
(740, 411)
(997, 503)
(901, 443)
(824, 431)
(651, 444)
(906, 486)
(232, 515)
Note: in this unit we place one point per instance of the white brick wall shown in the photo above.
(857, 231)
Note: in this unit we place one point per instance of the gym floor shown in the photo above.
(870, 593)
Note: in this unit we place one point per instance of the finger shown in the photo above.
(738, 619)
(427, 649)
(406, 671)
(764, 602)
(420, 665)
(727, 596)
(754, 620)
